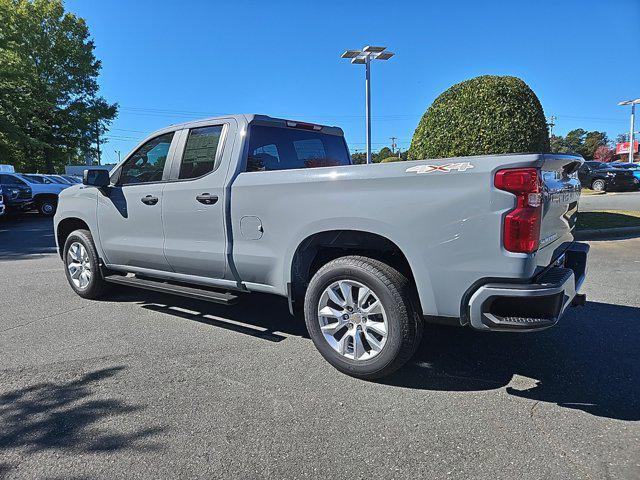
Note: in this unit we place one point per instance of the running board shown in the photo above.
(225, 298)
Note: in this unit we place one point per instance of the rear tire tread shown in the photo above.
(401, 289)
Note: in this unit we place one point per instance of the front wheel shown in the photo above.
(362, 316)
(598, 185)
(82, 265)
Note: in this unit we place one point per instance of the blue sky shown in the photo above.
(166, 61)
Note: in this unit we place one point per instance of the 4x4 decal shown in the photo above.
(446, 168)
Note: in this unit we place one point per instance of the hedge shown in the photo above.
(483, 115)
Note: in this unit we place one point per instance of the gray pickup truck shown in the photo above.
(219, 208)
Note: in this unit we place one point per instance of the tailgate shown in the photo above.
(561, 193)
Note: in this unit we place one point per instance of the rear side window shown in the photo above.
(147, 163)
(279, 148)
(200, 151)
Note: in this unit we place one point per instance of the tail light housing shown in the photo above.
(521, 228)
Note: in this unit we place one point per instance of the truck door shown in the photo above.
(130, 211)
(194, 208)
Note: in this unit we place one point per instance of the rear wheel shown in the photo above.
(47, 206)
(362, 316)
(598, 185)
(82, 266)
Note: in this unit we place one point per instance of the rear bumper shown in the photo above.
(530, 306)
(625, 182)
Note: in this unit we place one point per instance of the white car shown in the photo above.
(45, 192)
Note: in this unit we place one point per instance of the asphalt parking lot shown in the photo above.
(150, 386)
(610, 201)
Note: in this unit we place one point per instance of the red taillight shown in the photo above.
(522, 225)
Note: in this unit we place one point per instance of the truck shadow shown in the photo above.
(590, 361)
(258, 315)
(66, 416)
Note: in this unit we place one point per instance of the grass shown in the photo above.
(588, 191)
(608, 219)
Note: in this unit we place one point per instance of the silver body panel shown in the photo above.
(447, 224)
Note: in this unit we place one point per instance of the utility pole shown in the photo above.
(367, 92)
(98, 141)
(631, 130)
(552, 123)
(393, 144)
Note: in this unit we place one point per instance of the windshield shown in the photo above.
(32, 178)
(56, 179)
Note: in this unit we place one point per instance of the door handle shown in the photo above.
(149, 200)
(207, 198)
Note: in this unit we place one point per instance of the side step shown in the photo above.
(162, 286)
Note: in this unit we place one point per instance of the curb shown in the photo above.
(606, 233)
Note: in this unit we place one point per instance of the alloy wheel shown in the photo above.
(79, 265)
(352, 320)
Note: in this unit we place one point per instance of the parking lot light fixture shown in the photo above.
(364, 57)
(631, 130)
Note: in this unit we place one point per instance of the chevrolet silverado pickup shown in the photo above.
(218, 208)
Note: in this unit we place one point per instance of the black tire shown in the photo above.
(399, 300)
(96, 287)
(599, 185)
(47, 206)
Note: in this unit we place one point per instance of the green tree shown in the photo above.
(484, 115)
(592, 141)
(359, 158)
(390, 159)
(49, 103)
(581, 142)
(384, 152)
(574, 141)
(558, 144)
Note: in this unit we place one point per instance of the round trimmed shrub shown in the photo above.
(390, 159)
(481, 116)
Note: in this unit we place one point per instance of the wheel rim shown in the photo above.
(598, 185)
(79, 265)
(353, 320)
(47, 208)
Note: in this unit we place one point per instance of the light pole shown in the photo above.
(631, 130)
(365, 56)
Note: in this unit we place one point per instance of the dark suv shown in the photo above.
(18, 196)
(601, 176)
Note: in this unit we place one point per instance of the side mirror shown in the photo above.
(96, 177)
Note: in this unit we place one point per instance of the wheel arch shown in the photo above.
(42, 196)
(321, 247)
(64, 229)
